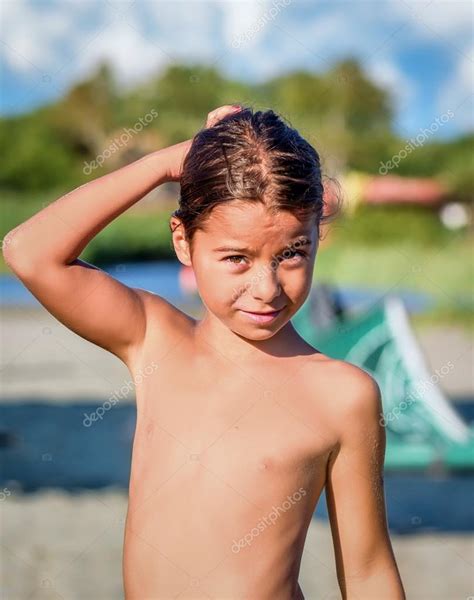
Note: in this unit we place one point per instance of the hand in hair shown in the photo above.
(177, 153)
(219, 113)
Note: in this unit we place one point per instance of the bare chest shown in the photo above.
(253, 430)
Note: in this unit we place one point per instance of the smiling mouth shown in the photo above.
(269, 312)
(262, 317)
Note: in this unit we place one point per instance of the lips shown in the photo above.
(268, 312)
(262, 317)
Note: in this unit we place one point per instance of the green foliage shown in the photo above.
(458, 171)
(444, 272)
(35, 157)
(132, 237)
(451, 162)
(390, 225)
(342, 112)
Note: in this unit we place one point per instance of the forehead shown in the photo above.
(253, 224)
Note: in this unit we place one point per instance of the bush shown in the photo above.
(386, 225)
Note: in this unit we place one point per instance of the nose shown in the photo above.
(266, 287)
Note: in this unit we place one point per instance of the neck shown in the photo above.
(286, 342)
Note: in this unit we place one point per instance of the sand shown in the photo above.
(62, 546)
(57, 545)
(43, 360)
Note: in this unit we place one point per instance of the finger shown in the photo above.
(219, 113)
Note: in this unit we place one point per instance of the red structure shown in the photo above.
(392, 189)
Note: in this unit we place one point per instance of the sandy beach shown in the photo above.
(43, 360)
(62, 546)
(57, 545)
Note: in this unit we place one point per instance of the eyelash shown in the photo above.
(294, 253)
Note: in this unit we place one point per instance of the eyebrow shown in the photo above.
(303, 241)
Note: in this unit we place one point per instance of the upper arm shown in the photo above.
(355, 493)
(91, 303)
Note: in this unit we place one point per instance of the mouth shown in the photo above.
(262, 317)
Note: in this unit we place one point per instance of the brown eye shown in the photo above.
(229, 259)
(296, 253)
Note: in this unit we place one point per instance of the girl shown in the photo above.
(240, 423)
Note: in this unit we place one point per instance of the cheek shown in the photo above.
(296, 282)
(216, 286)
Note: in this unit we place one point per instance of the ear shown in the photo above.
(180, 243)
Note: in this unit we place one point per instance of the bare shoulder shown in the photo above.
(165, 323)
(353, 395)
(359, 413)
(158, 309)
(358, 390)
(163, 317)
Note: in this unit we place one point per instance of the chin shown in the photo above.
(259, 336)
(256, 334)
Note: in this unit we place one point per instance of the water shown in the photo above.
(162, 277)
(159, 277)
(48, 446)
(51, 446)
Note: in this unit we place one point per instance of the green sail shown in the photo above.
(422, 427)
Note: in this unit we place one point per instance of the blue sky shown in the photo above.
(421, 50)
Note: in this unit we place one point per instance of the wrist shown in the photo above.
(172, 159)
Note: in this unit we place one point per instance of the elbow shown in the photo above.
(16, 258)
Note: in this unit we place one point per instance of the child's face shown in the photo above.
(268, 267)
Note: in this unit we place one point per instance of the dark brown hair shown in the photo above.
(251, 156)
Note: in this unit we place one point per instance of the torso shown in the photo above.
(228, 464)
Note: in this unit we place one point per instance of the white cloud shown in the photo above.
(451, 19)
(28, 37)
(386, 74)
(140, 38)
(238, 22)
(40, 40)
(331, 35)
(457, 93)
(131, 55)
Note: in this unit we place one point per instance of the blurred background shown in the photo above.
(384, 92)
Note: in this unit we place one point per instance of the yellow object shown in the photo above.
(354, 184)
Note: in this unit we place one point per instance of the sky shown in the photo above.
(422, 51)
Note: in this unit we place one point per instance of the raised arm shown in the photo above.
(365, 563)
(43, 252)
